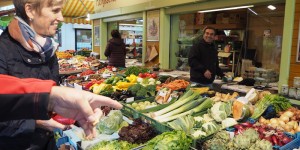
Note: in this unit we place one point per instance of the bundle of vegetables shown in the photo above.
(142, 91)
(147, 81)
(113, 145)
(102, 89)
(174, 85)
(280, 103)
(219, 141)
(185, 123)
(121, 95)
(135, 70)
(285, 122)
(295, 111)
(169, 140)
(268, 133)
(220, 110)
(191, 102)
(248, 140)
(138, 132)
(110, 123)
(204, 126)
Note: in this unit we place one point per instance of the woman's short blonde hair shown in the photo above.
(36, 4)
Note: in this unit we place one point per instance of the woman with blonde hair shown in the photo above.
(27, 50)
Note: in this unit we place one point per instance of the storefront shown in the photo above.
(278, 24)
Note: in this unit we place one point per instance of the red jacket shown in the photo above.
(24, 98)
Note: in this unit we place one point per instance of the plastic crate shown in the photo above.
(293, 144)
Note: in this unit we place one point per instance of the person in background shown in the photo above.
(33, 98)
(27, 50)
(115, 50)
(203, 60)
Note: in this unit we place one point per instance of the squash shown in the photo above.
(240, 111)
(263, 94)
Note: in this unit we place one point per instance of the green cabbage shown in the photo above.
(113, 145)
(110, 123)
(175, 140)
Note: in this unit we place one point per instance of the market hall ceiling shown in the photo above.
(74, 11)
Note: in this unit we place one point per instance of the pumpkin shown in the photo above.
(240, 111)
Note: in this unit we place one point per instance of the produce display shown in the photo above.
(166, 113)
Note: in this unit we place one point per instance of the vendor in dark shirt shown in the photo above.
(203, 60)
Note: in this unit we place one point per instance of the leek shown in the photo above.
(185, 107)
(203, 106)
(188, 96)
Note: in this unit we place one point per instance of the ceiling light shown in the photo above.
(228, 8)
(255, 13)
(126, 24)
(271, 7)
(87, 17)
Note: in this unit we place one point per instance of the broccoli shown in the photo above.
(142, 92)
(151, 89)
(134, 88)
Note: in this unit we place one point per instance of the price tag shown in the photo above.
(162, 94)
(130, 99)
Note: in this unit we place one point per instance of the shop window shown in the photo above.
(83, 39)
(253, 33)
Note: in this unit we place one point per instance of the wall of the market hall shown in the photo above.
(294, 65)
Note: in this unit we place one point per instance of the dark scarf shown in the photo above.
(26, 36)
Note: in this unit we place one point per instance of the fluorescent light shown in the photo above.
(228, 8)
(255, 13)
(271, 7)
(123, 24)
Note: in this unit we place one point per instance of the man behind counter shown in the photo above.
(203, 60)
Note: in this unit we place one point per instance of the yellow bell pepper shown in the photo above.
(132, 78)
(123, 85)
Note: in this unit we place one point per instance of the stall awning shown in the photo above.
(76, 20)
(75, 11)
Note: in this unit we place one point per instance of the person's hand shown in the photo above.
(207, 74)
(49, 124)
(80, 105)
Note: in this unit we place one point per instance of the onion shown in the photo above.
(298, 129)
(281, 123)
(273, 121)
(288, 114)
(261, 120)
(284, 118)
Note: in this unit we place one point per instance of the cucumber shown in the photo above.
(158, 107)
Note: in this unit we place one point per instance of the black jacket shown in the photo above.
(17, 61)
(115, 51)
(203, 56)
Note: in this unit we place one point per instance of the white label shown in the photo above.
(130, 99)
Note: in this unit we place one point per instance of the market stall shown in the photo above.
(163, 111)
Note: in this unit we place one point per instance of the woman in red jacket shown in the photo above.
(33, 99)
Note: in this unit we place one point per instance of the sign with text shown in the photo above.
(105, 5)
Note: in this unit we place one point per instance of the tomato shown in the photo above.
(147, 74)
(142, 75)
(153, 75)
